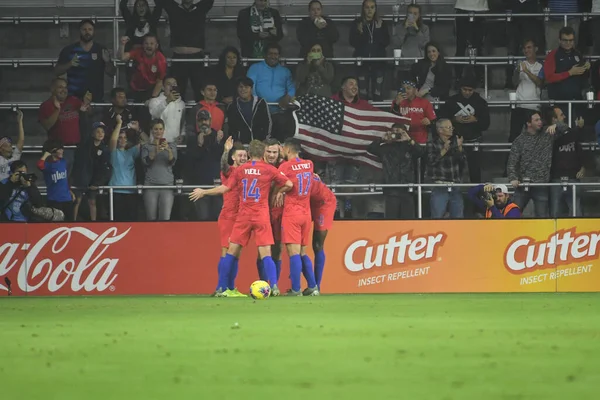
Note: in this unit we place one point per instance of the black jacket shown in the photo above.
(443, 77)
(457, 106)
(398, 160)
(260, 126)
(86, 171)
(203, 163)
(136, 29)
(247, 37)
(226, 87)
(187, 26)
(308, 35)
(363, 47)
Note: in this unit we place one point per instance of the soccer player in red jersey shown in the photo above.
(296, 221)
(237, 153)
(273, 157)
(252, 181)
(322, 209)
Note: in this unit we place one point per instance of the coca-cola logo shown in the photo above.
(90, 272)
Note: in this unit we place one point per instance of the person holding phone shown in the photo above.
(170, 108)
(398, 153)
(315, 75)
(158, 157)
(411, 36)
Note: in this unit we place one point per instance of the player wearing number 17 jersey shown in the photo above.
(296, 221)
(322, 208)
(252, 181)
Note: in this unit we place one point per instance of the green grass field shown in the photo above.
(537, 346)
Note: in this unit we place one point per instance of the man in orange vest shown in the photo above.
(495, 201)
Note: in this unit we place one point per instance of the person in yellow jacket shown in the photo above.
(494, 200)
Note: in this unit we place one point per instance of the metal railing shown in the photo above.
(367, 190)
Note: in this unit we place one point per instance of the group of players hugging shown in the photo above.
(271, 192)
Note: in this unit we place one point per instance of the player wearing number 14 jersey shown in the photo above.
(252, 181)
(296, 221)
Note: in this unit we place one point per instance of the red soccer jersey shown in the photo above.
(148, 70)
(66, 128)
(231, 199)
(300, 172)
(320, 194)
(252, 183)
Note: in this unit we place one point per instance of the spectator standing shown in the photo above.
(398, 153)
(227, 73)
(140, 22)
(370, 37)
(530, 161)
(17, 194)
(248, 116)
(470, 115)
(316, 29)
(159, 156)
(258, 26)
(10, 153)
(150, 68)
(129, 117)
(187, 22)
(470, 32)
(525, 78)
(521, 31)
(411, 36)
(203, 158)
(556, 23)
(596, 26)
(445, 162)
(209, 92)
(123, 159)
(494, 200)
(169, 108)
(315, 74)
(273, 82)
(91, 167)
(565, 69)
(567, 165)
(85, 63)
(418, 109)
(432, 74)
(54, 167)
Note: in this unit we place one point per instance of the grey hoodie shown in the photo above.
(531, 155)
(411, 41)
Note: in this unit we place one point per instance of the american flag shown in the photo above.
(330, 130)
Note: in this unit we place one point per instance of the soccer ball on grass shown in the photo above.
(260, 290)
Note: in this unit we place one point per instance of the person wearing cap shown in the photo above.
(85, 63)
(91, 167)
(397, 152)
(202, 165)
(248, 116)
(56, 176)
(10, 152)
(494, 200)
(470, 116)
(418, 109)
(18, 193)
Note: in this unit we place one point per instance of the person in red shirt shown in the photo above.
(322, 209)
(209, 91)
(150, 68)
(296, 222)
(59, 115)
(252, 181)
(273, 157)
(418, 109)
(237, 153)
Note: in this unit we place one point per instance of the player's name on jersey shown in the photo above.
(251, 171)
(299, 167)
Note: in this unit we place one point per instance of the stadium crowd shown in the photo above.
(163, 143)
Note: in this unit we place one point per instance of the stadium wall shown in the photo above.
(362, 257)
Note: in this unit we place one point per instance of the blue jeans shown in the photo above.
(441, 198)
(540, 200)
(559, 197)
